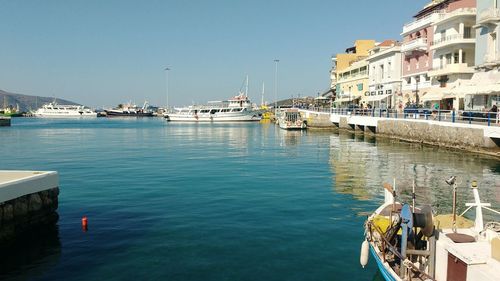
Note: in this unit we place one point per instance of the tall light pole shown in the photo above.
(167, 70)
(276, 85)
(417, 79)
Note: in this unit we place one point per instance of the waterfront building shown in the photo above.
(384, 75)
(487, 30)
(417, 58)
(483, 90)
(352, 72)
(452, 50)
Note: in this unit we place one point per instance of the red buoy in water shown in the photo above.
(84, 223)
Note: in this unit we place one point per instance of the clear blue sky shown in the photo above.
(101, 53)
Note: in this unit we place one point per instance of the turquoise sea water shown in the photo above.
(172, 201)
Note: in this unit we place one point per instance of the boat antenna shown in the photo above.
(452, 181)
(413, 197)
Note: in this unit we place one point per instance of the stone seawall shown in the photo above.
(436, 134)
(22, 213)
(317, 119)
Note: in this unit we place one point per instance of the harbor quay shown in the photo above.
(469, 136)
(27, 199)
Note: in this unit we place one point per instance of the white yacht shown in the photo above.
(235, 109)
(54, 110)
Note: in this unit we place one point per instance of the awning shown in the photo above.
(484, 89)
(321, 98)
(346, 99)
(375, 98)
(432, 96)
(481, 83)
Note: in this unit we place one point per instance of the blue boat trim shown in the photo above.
(387, 276)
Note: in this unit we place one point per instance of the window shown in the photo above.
(360, 87)
(381, 72)
(442, 81)
(389, 69)
(455, 58)
(463, 57)
(467, 32)
(448, 58)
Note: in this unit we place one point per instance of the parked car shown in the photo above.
(478, 116)
(413, 109)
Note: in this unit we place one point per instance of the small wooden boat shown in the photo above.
(408, 243)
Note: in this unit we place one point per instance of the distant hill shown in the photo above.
(26, 102)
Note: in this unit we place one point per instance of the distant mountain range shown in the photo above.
(27, 103)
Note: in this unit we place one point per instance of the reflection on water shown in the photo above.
(291, 137)
(31, 254)
(360, 167)
(172, 201)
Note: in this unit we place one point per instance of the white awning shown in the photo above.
(375, 98)
(481, 83)
(433, 96)
(346, 99)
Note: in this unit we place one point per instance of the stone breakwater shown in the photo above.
(27, 199)
(25, 212)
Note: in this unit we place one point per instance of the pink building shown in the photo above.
(419, 47)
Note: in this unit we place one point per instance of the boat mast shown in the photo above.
(246, 88)
(262, 100)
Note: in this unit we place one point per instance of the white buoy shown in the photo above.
(363, 258)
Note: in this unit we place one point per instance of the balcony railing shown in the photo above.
(489, 15)
(415, 44)
(443, 15)
(458, 38)
(451, 68)
(413, 86)
(420, 23)
(488, 58)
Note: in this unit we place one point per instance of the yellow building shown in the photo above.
(352, 72)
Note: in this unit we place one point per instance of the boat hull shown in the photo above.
(61, 115)
(128, 114)
(212, 118)
(388, 276)
(292, 126)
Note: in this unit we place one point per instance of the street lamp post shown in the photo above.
(417, 79)
(167, 70)
(276, 85)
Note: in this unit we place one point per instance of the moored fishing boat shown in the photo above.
(129, 110)
(290, 119)
(408, 243)
(54, 110)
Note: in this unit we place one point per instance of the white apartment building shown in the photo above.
(453, 48)
(384, 76)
